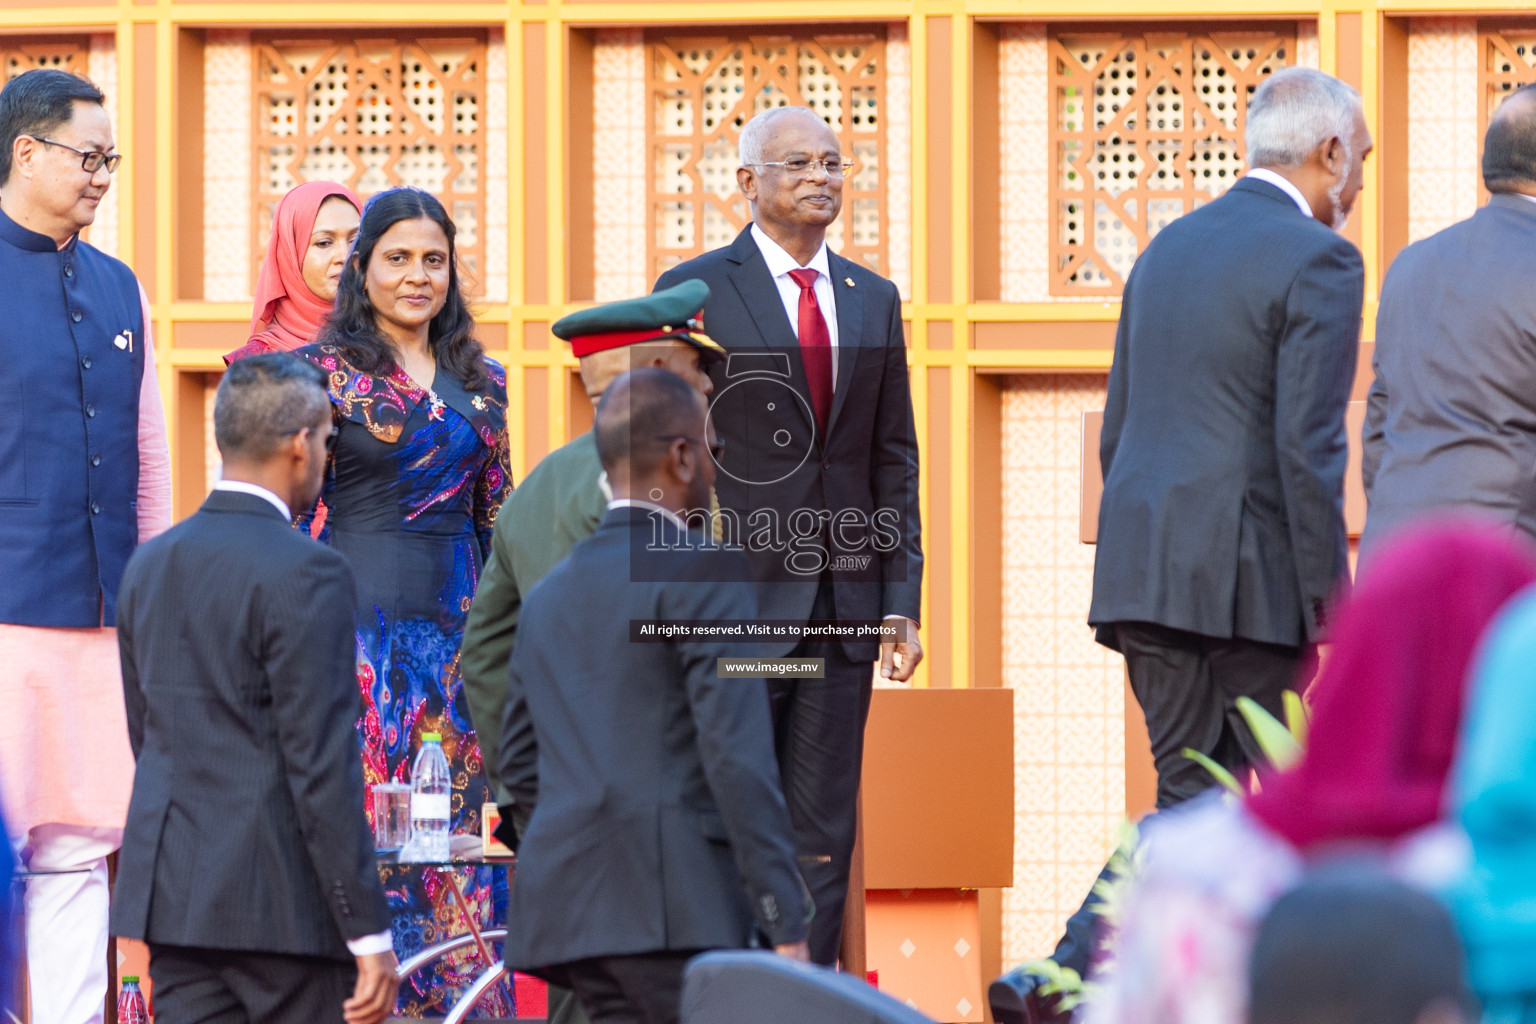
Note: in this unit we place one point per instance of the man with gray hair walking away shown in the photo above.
(1221, 529)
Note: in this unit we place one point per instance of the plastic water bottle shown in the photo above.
(131, 1008)
(430, 796)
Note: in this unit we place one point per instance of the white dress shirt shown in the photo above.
(780, 263)
(1268, 176)
(379, 942)
(649, 506)
(261, 492)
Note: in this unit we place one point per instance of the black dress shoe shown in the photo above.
(1016, 998)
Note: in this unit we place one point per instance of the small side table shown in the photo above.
(463, 851)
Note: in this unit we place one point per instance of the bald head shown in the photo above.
(640, 412)
(1509, 148)
(754, 136)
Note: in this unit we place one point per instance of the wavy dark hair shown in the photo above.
(352, 326)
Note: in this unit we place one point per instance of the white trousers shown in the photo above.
(67, 922)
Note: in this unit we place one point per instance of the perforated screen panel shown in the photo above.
(1508, 62)
(67, 53)
(1144, 128)
(374, 114)
(703, 90)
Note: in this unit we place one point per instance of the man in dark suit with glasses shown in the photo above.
(819, 480)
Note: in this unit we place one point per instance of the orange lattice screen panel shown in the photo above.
(703, 90)
(67, 53)
(373, 114)
(1145, 127)
(1508, 62)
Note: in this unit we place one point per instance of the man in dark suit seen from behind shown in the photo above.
(247, 864)
(1451, 421)
(819, 477)
(644, 775)
(1221, 529)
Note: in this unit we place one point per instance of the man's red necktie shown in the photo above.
(815, 347)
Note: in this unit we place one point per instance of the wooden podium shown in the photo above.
(938, 827)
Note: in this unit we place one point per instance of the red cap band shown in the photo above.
(590, 343)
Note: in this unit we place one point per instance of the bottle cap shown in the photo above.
(432, 737)
(134, 978)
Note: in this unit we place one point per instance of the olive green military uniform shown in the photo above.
(557, 505)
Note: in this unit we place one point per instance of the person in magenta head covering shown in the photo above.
(1372, 781)
(312, 234)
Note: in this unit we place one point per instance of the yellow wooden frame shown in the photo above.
(125, 18)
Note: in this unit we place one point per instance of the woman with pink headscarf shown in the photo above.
(312, 234)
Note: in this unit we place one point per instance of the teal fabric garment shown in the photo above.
(1493, 789)
(1511, 1009)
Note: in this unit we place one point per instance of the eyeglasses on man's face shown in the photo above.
(330, 437)
(836, 167)
(91, 160)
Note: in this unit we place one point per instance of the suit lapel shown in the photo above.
(760, 295)
(850, 327)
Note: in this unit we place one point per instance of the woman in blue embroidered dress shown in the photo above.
(418, 473)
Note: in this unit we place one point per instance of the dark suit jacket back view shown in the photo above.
(776, 462)
(246, 828)
(1223, 444)
(1452, 415)
(657, 819)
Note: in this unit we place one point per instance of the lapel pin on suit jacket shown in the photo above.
(848, 281)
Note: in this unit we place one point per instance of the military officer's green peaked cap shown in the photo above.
(670, 313)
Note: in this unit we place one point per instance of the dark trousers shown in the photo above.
(818, 729)
(643, 988)
(1188, 686)
(215, 986)
(564, 1007)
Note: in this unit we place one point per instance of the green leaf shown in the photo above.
(1220, 774)
(1059, 981)
(1112, 887)
(1274, 739)
(1296, 716)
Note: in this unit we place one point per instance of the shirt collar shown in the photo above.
(1268, 176)
(781, 262)
(649, 506)
(1522, 195)
(243, 487)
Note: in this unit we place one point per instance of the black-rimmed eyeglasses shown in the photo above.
(91, 160)
(716, 450)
